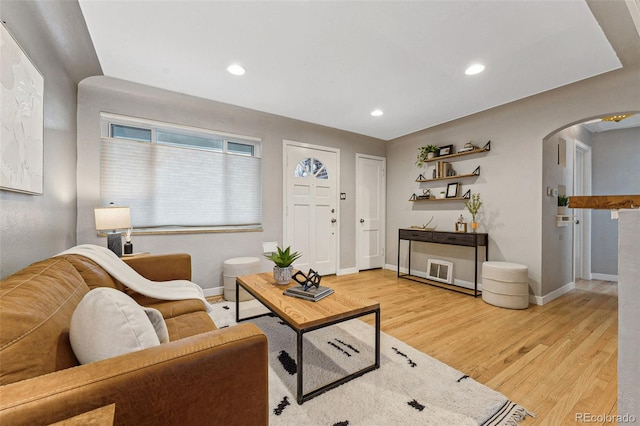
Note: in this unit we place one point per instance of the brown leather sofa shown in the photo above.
(203, 376)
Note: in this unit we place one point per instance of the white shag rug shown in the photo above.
(409, 388)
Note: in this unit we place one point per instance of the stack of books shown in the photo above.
(312, 293)
(443, 169)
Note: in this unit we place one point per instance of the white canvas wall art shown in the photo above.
(22, 113)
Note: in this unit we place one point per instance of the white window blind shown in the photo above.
(172, 187)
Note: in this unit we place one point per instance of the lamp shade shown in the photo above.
(112, 218)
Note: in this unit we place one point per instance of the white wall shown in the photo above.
(34, 227)
(209, 250)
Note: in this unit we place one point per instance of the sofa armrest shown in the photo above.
(219, 376)
(162, 267)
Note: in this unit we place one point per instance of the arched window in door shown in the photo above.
(311, 167)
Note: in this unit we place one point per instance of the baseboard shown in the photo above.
(390, 267)
(604, 277)
(543, 300)
(347, 271)
(215, 291)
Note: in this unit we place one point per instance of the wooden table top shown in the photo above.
(302, 314)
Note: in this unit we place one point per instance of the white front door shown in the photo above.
(370, 211)
(311, 205)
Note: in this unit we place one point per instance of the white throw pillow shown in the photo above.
(108, 323)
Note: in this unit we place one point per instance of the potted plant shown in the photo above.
(283, 259)
(563, 202)
(473, 206)
(426, 152)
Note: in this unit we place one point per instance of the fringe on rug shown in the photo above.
(510, 414)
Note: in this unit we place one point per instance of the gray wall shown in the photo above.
(628, 318)
(209, 251)
(616, 165)
(33, 227)
(557, 242)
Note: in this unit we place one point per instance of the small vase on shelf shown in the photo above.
(474, 226)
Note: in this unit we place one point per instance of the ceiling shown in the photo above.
(332, 63)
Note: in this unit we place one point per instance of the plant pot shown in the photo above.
(474, 226)
(431, 155)
(562, 210)
(282, 275)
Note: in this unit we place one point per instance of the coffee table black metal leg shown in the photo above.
(237, 302)
(377, 312)
(299, 392)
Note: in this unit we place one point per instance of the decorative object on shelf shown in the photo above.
(445, 150)
(452, 189)
(283, 259)
(473, 206)
(563, 202)
(128, 246)
(112, 219)
(442, 194)
(468, 147)
(461, 225)
(311, 279)
(426, 195)
(426, 152)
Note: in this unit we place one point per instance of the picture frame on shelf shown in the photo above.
(452, 189)
(445, 150)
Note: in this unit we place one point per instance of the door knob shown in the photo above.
(333, 220)
(361, 220)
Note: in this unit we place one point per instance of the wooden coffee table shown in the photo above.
(304, 316)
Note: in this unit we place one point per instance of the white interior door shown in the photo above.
(311, 205)
(582, 227)
(370, 211)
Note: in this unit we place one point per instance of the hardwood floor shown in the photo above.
(558, 360)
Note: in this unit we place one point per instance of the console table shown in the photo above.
(469, 239)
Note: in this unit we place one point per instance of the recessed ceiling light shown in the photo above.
(236, 69)
(474, 69)
(377, 112)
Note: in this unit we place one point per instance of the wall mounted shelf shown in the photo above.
(475, 173)
(564, 219)
(485, 148)
(465, 196)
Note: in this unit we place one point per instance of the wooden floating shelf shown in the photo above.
(604, 202)
(475, 173)
(466, 196)
(440, 199)
(485, 148)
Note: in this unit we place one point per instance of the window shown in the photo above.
(177, 178)
(311, 167)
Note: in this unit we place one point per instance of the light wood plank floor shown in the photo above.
(556, 360)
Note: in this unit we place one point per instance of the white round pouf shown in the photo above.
(505, 284)
(235, 267)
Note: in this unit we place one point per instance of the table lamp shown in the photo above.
(111, 220)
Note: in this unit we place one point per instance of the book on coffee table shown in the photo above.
(312, 293)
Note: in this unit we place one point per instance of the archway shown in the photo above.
(610, 149)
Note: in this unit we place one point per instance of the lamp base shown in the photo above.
(114, 242)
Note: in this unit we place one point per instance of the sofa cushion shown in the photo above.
(36, 305)
(169, 308)
(109, 323)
